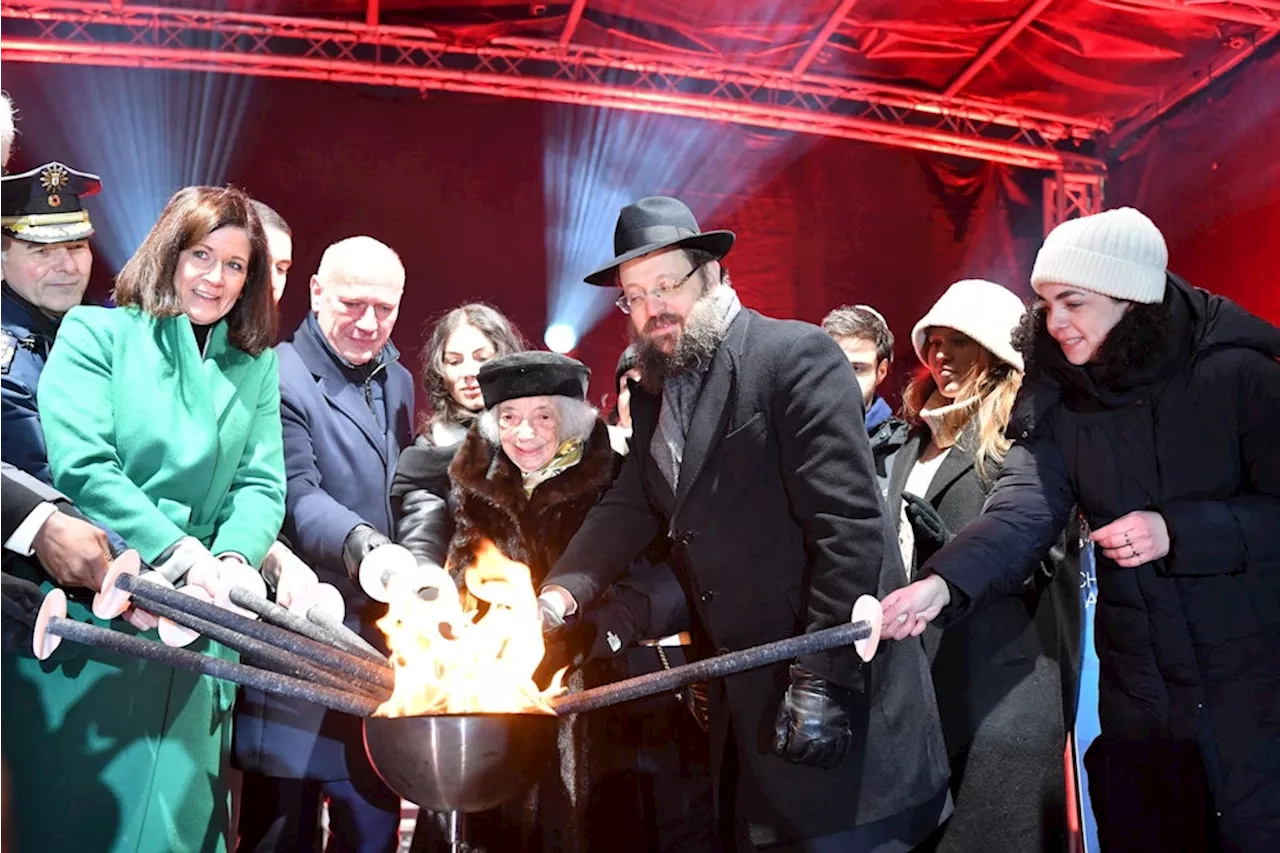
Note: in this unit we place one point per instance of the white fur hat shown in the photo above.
(1120, 253)
(983, 310)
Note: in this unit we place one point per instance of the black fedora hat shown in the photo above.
(654, 223)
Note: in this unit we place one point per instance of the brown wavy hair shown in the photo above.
(995, 383)
(494, 325)
(146, 280)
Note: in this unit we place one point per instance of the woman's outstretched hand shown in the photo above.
(907, 611)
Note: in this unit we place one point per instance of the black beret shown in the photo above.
(532, 374)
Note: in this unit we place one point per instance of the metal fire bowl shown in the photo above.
(462, 762)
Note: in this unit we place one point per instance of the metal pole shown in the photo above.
(713, 667)
(571, 21)
(274, 614)
(344, 636)
(455, 824)
(265, 654)
(983, 59)
(265, 680)
(820, 40)
(315, 652)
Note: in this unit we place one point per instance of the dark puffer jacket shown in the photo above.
(1183, 422)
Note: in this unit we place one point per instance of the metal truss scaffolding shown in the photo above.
(659, 81)
(1069, 195)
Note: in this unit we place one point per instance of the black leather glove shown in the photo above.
(20, 601)
(812, 726)
(929, 527)
(611, 624)
(605, 635)
(359, 542)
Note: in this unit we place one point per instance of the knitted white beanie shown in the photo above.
(983, 310)
(1120, 253)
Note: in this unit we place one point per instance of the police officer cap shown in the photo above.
(43, 205)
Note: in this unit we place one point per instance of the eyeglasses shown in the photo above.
(663, 292)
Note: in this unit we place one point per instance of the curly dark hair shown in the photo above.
(1138, 342)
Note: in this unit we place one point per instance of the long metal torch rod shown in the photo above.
(274, 614)
(322, 618)
(315, 652)
(249, 676)
(709, 668)
(264, 654)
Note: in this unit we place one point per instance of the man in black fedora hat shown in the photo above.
(748, 452)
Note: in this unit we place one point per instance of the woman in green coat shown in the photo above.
(162, 419)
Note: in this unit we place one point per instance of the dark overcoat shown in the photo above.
(1189, 644)
(1005, 679)
(26, 336)
(777, 527)
(339, 460)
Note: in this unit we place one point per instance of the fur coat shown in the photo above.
(490, 503)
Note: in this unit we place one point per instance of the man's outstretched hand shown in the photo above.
(72, 551)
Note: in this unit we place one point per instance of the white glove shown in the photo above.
(237, 573)
(186, 555)
(380, 567)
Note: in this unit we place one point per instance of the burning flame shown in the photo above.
(449, 659)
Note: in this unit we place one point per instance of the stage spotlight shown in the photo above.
(595, 161)
(147, 133)
(560, 337)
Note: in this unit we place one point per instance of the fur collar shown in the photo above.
(483, 470)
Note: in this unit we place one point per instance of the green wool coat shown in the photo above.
(157, 441)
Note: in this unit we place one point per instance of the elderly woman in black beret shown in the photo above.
(524, 478)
